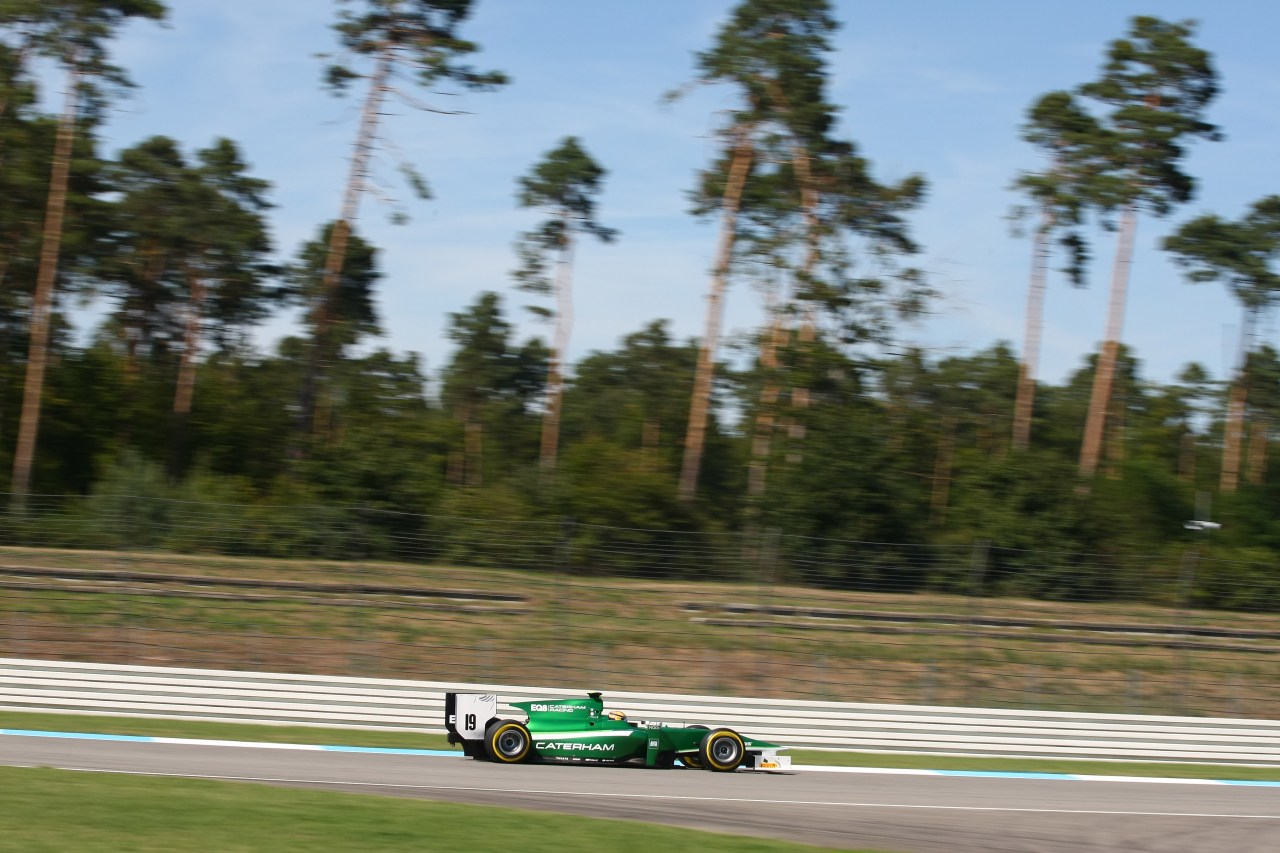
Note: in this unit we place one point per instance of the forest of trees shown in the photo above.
(819, 425)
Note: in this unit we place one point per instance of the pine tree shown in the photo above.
(1241, 254)
(74, 34)
(565, 183)
(1155, 88)
(417, 38)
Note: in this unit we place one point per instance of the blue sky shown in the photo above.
(936, 87)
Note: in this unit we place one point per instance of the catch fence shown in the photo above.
(365, 593)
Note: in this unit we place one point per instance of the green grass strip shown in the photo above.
(50, 811)
(411, 740)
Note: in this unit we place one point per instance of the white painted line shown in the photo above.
(1052, 777)
(1156, 780)
(249, 744)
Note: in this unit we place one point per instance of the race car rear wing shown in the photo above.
(467, 714)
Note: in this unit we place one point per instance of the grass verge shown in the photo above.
(140, 814)
(411, 740)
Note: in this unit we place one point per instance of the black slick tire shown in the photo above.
(507, 742)
(722, 750)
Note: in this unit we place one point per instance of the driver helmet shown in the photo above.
(616, 715)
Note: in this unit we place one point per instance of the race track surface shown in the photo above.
(921, 814)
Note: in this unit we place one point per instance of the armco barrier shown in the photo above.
(260, 697)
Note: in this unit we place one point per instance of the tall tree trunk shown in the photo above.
(1025, 400)
(800, 396)
(1100, 399)
(766, 415)
(42, 301)
(700, 402)
(1233, 436)
(138, 335)
(555, 364)
(185, 392)
(339, 236)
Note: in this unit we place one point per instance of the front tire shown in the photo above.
(507, 742)
(722, 751)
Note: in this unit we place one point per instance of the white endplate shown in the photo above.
(473, 712)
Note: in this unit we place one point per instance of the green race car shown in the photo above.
(581, 730)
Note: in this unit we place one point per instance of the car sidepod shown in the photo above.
(592, 745)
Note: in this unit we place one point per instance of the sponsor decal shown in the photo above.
(768, 765)
(554, 709)
(575, 747)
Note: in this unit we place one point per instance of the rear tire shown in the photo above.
(507, 742)
(722, 751)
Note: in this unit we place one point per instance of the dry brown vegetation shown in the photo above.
(548, 628)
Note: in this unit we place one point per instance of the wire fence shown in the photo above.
(351, 591)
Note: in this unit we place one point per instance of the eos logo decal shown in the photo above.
(555, 709)
(575, 747)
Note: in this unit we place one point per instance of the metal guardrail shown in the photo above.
(316, 700)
